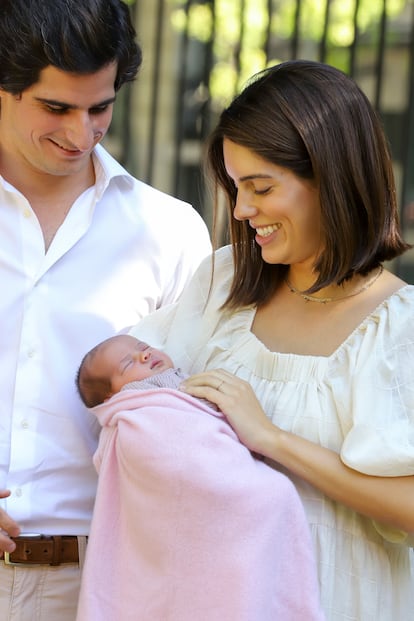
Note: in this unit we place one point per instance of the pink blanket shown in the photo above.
(188, 525)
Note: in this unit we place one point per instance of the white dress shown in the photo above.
(358, 402)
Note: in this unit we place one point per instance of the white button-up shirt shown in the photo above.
(123, 250)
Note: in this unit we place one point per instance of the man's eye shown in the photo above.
(99, 109)
(56, 109)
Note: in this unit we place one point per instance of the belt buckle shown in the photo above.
(6, 555)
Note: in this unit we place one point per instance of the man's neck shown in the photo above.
(50, 196)
(38, 185)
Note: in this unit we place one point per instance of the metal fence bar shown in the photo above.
(380, 57)
(155, 90)
(373, 39)
(354, 44)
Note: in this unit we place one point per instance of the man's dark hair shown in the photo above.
(76, 36)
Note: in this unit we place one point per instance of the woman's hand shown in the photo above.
(8, 528)
(236, 400)
(388, 500)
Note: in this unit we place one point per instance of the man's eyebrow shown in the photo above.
(64, 104)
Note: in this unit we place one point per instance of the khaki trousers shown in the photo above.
(39, 593)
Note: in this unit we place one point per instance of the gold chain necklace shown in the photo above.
(312, 298)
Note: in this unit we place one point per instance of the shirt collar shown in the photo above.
(107, 169)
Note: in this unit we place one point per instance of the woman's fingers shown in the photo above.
(236, 399)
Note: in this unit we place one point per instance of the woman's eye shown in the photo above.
(264, 191)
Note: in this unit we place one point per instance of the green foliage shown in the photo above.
(238, 31)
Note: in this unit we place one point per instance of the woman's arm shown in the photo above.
(389, 500)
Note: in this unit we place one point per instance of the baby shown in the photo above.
(187, 523)
(122, 362)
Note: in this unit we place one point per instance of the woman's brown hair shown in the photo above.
(314, 120)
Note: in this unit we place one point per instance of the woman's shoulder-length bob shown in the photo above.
(314, 120)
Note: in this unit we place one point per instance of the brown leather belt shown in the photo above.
(43, 550)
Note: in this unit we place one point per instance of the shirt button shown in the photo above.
(18, 492)
(25, 424)
(31, 353)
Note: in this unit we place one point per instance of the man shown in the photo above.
(85, 251)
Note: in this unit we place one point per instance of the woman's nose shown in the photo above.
(243, 209)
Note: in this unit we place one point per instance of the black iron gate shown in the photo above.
(198, 54)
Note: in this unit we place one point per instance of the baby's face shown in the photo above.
(124, 359)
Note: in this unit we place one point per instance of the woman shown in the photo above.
(303, 339)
